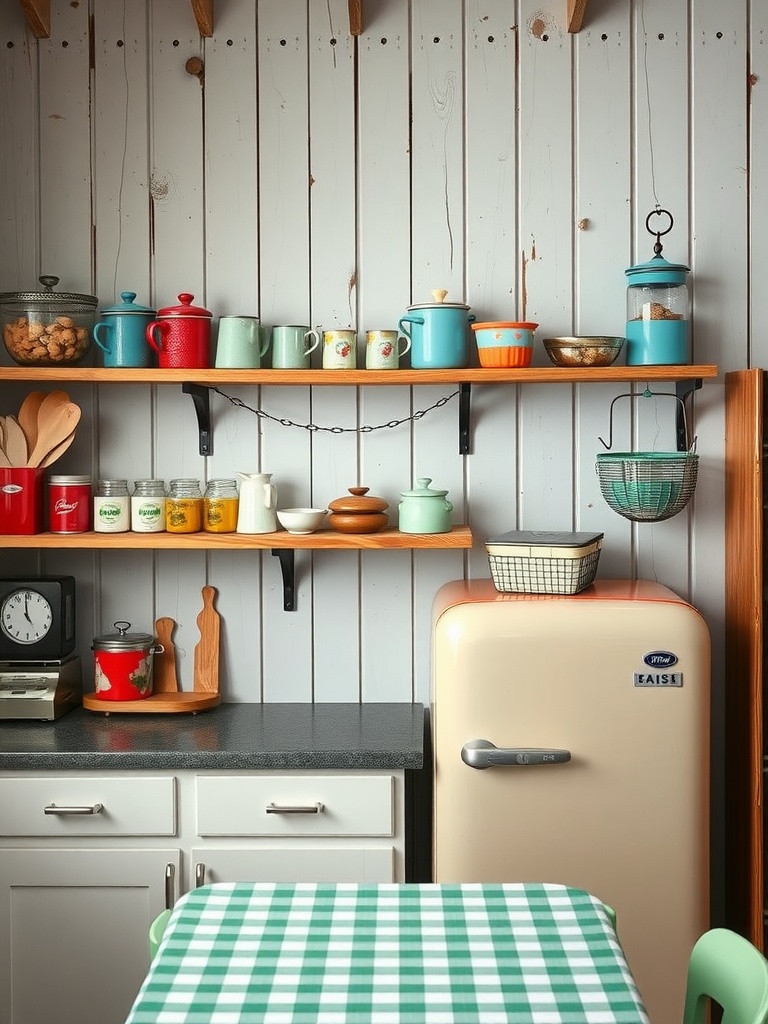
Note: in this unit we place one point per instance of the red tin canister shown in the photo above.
(123, 663)
(69, 504)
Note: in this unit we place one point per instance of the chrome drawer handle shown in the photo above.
(484, 754)
(199, 874)
(87, 809)
(295, 808)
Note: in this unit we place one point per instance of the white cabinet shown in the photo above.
(75, 925)
(87, 860)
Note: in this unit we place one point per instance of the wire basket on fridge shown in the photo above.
(531, 562)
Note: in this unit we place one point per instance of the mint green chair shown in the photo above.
(727, 968)
(156, 930)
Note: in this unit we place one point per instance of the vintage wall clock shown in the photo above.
(37, 618)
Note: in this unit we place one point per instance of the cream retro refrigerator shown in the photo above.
(571, 745)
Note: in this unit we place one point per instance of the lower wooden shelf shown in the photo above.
(459, 537)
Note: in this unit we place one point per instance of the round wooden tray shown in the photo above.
(158, 703)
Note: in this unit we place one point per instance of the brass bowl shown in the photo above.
(583, 351)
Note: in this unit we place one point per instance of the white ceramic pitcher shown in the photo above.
(258, 501)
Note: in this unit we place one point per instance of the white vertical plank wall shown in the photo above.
(309, 177)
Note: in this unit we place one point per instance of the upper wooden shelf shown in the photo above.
(469, 375)
(38, 13)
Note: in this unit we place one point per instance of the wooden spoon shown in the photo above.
(54, 453)
(4, 460)
(28, 416)
(15, 442)
(53, 429)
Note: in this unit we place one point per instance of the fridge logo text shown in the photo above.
(660, 659)
(658, 679)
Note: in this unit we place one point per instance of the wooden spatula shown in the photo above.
(53, 428)
(165, 664)
(28, 416)
(15, 442)
(206, 666)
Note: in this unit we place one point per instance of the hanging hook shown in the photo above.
(647, 393)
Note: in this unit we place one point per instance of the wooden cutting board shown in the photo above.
(206, 665)
(164, 668)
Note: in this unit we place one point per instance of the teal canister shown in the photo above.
(658, 309)
(121, 333)
(424, 509)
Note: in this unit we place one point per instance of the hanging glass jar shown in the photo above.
(658, 308)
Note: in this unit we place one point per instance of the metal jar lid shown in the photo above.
(123, 640)
(49, 297)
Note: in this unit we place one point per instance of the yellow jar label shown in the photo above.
(220, 515)
(183, 515)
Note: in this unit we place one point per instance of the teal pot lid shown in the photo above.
(657, 271)
(128, 306)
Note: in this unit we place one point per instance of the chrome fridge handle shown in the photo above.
(484, 754)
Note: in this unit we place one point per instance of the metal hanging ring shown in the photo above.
(658, 213)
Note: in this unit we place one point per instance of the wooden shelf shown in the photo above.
(459, 537)
(469, 375)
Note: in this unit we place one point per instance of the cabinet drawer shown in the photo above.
(88, 807)
(314, 862)
(303, 805)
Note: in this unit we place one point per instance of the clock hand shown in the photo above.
(26, 608)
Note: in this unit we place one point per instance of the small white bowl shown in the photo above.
(301, 521)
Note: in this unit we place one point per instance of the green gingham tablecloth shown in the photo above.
(475, 953)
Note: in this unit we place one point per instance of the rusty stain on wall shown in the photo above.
(540, 24)
(524, 261)
(159, 188)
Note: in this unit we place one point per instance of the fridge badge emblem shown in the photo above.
(659, 660)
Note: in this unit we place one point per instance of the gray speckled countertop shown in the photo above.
(244, 736)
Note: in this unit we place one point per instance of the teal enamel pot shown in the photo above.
(439, 333)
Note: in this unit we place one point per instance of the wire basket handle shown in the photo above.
(647, 393)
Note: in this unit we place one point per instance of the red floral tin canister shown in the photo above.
(123, 663)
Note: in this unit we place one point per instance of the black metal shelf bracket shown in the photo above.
(684, 388)
(288, 569)
(201, 397)
(465, 391)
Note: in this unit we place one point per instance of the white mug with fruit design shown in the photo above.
(340, 350)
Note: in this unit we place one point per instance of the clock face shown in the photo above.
(37, 618)
(26, 616)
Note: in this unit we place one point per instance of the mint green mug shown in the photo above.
(291, 347)
(241, 343)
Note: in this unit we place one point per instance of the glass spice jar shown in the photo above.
(184, 506)
(111, 507)
(148, 506)
(220, 505)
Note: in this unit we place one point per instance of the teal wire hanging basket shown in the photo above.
(647, 487)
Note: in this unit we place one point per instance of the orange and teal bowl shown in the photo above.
(504, 343)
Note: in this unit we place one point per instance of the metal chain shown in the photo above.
(313, 427)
